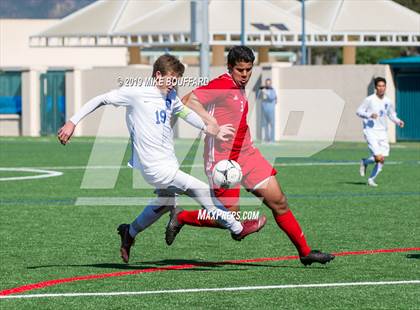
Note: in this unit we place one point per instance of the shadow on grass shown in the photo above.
(415, 256)
(354, 183)
(197, 265)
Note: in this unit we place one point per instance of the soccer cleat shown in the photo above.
(126, 241)
(363, 168)
(173, 227)
(372, 183)
(316, 256)
(250, 227)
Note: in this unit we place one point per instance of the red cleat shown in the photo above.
(250, 227)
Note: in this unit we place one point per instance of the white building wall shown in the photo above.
(107, 121)
(15, 50)
(351, 83)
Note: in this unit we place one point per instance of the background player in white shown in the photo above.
(148, 117)
(374, 110)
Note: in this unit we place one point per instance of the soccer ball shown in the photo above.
(227, 173)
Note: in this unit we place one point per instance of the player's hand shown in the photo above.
(226, 132)
(401, 124)
(374, 116)
(65, 132)
(212, 129)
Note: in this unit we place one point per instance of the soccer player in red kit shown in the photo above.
(223, 101)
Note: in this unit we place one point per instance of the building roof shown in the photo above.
(361, 16)
(104, 17)
(267, 23)
(286, 4)
(412, 61)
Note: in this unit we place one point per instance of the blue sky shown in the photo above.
(40, 8)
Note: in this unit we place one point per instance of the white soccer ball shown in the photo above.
(227, 173)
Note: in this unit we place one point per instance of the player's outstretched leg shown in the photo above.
(227, 197)
(364, 164)
(126, 241)
(250, 227)
(201, 193)
(275, 199)
(363, 167)
(151, 213)
(376, 170)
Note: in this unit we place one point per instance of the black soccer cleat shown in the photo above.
(126, 241)
(316, 256)
(173, 227)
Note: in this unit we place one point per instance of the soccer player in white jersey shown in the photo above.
(148, 117)
(374, 111)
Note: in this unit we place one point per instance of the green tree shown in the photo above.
(411, 4)
(372, 55)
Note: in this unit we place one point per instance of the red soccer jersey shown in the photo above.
(227, 102)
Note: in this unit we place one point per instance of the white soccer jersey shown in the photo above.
(148, 118)
(382, 107)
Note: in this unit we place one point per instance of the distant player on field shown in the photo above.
(149, 113)
(374, 111)
(223, 101)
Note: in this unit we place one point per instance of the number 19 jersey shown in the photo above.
(148, 118)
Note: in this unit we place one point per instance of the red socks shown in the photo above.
(191, 218)
(287, 222)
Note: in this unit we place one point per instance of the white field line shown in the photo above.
(143, 201)
(216, 289)
(42, 173)
(47, 174)
(201, 165)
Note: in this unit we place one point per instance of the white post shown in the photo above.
(74, 96)
(31, 105)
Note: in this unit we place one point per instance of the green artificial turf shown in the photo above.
(45, 235)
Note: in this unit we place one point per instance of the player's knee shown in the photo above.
(232, 208)
(379, 159)
(280, 205)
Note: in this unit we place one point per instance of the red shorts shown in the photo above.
(255, 170)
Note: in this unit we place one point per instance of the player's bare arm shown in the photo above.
(191, 101)
(223, 133)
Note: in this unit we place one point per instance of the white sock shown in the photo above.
(369, 160)
(214, 206)
(376, 170)
(200, 192)
(151, 214)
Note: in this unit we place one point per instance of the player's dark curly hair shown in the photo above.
(379, 79)
(168, 63)
(240, 53)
